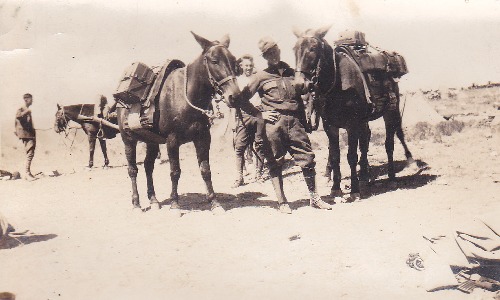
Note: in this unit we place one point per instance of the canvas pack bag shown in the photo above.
(378, 68)
(135, 84)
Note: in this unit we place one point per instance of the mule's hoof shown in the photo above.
(336, 193)
(410, 161)
(155, 206)
(353, 197)
(337, 196)
(216, 208)
(137, 209)
(174, 205)
(284, 208)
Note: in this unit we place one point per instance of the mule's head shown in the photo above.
(61, 121)
(308, 51)
(221, 67)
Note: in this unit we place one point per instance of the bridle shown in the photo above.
(62, 126)
(314, 73)
(216, 85)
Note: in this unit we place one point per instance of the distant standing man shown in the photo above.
(283, 112)
(101, 109)
(26, 133)
(246, 128)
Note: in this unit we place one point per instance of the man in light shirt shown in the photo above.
(246, 127)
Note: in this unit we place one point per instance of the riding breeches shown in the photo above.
(248, 130)
(288, 135)
(29, 147)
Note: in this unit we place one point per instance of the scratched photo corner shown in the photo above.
(249, 149)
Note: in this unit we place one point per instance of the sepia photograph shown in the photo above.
(264, 149)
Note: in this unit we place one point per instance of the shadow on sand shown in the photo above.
(198, 202)
(13, 241)
(403, 180)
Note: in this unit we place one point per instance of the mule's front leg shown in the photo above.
(390, 131)
(175, 169)
(334, 160)
(149, 165)
(130, 153)
(364, 144)
(352, 158)
(92, 140)
(202, 145)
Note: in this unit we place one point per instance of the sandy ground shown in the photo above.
(89, 244)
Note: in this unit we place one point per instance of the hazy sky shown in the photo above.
(70, 51)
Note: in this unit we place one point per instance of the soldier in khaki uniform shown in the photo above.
(283, 112)
(26, 133)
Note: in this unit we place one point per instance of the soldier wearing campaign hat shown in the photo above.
(283, 112)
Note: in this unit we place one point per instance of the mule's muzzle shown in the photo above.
(229, 100)
(301, 84)
(57, 129)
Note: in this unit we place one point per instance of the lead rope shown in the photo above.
(206, 112)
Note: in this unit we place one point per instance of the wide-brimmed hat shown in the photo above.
(266, 43)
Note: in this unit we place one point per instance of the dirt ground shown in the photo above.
(90, 244)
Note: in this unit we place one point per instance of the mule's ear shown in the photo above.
(58, 106)
(321, 32)
(225, 40)
(204, 43)
(297, 32)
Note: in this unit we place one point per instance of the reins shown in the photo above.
(206, 112)
(66, 132)
(216, 86)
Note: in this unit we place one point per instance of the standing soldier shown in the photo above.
(26, 133)
(285, 118)
(246, 129)
(101, 108)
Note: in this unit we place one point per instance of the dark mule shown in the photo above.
(183, 100)
(341, 107)
(93, 129)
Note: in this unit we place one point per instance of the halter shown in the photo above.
(67, 119)
(65, 125)
(216, 85)
(314, 74)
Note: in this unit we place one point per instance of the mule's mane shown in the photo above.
(328, 68)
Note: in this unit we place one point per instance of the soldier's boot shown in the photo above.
(283, 206)
(259, 168)
(315, 199)
(27, 174)
(240, 162)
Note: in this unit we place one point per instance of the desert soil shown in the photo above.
(88, 243)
